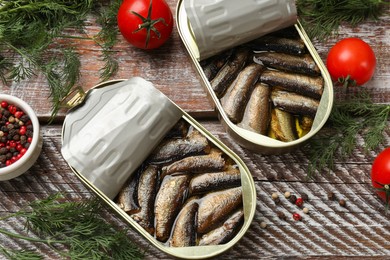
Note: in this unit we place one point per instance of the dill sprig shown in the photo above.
(349, 118)
(107, 37)
(321, 18)
(76, 226)
(29, 28)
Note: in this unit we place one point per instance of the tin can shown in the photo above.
(262, 143)
(218, 25)
(116, 118)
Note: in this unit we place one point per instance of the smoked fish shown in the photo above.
(127, 198)
(214, 64)
(278, 44)
(216, 206)
(195, 164)
(295, 103)
(238, 93)
(229, 71)
(184, 229)
(206, 182)
(178, 148)
(293, 82)
(303, 64)
(147, 190)
(225, 232)
(283, 125)
(257, 114)
(169, 200)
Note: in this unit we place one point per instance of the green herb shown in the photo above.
(321, 18)
(77, 226)
(357, 115)
(107, 37)
(29, 29)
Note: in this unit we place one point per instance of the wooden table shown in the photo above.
(361, 229)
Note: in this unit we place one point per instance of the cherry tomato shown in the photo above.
(380, 174)
(351, 58)
(146, 24)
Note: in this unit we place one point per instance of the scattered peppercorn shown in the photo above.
(305, 210)
(281, 215)
(293, 199)
(299, 202)
(277, 201)
(287, 194)
(275, 196)
(331, 196)
(305, 197)
(16, 132)
(263, 224)
(297, 217)
(342, 203)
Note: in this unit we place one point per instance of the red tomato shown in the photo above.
(380, 174)
(353, 58)
(146, 24)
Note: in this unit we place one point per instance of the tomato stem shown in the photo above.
(346, 82)
(149, 24)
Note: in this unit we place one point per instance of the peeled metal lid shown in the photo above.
(109, 136)
(218, 25)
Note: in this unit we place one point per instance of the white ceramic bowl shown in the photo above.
(29, 158)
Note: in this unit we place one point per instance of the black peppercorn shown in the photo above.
(331, 196)
(305, 197)
(281, 215)
(293, 199)
(3, 150)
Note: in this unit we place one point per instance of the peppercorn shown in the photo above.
(342, 203)
(287, 194)
(297, 217)
(299, 202)
(331, 196)
(281, 215)
(305, 197)
(293, 199)
(277, 201)
(274, 196)
(305, 210)
(263, 224)
(16, 133)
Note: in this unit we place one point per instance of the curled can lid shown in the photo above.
(218, 25)
(114, 130)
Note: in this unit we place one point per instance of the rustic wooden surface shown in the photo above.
(361, 229)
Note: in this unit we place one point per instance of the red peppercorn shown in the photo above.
(19, 114)
(297, 217)
(22, 130)
(12, 109)
(29, 140)
(4, 104)
(299, 202)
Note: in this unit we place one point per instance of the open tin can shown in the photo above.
(118, 140)
(295, 105)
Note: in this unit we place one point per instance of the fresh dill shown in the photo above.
(349, 118)
(76, 226)
(29, 28)
(321, 18)
(107, 38)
